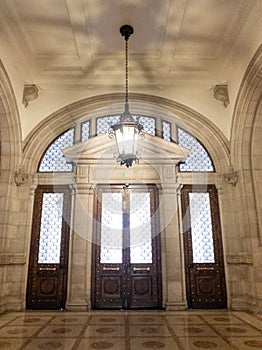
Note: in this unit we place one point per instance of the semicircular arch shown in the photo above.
(198, 125)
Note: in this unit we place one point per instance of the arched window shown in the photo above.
(198, 158)
(53, 159)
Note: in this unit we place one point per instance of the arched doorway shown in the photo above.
(85, 175)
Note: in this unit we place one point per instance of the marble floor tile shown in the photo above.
(242, 330)
(253, 320)
(30, 320)
(222, 319)
(65, 331)
(105, 319)
(149, 331)
(11, 344)
(109, 343)
(193, 331)
(50, 344)
(198, 343)
(105, 331)
(70, 319)
(18, 331)
(185, 319)
(146, 319)
(247, 343)
(153, 343)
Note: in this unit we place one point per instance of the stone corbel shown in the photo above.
(232, 176)
(30, 93)
(21, 177)
(221, 94)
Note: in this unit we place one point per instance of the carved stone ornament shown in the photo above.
(221, 94)
(20, 177)
(30, 93)
(232, 176)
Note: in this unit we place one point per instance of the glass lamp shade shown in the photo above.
(126, 134)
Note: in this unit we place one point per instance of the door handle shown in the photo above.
(111, 268)
(47, 268)
(141, 268)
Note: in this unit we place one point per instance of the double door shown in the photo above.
(126, 265)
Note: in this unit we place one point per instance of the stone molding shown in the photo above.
(221, 94)
(21, 177)
(30, 93)
(12, 259)
(240, 259)
(232, 176)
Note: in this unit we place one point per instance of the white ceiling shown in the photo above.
(77, 44)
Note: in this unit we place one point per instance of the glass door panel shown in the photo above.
(140, 229)
(111, 228)
(51, 228)
(201, 228)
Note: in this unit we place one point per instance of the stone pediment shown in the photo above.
(102, 149)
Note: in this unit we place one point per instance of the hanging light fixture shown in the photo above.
(127, 130)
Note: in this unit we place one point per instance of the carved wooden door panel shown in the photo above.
(204, 264)
(126, 251)
(48, 262)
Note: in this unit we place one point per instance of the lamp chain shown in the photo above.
(126, 69)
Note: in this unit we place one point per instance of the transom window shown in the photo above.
(198, 159)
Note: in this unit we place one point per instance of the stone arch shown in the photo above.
(10, 129)
(246, 148)
(10, 158)
(246, 142)
(213, 139)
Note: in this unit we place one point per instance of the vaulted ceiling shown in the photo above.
(181, 49)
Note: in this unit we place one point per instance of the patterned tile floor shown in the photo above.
(130, 330)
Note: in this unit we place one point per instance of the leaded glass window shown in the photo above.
(198, 158)
(111, 228)
(85, 131)
(103, 124)
(201, 228)
(53, 159)
(166, 127)
(149, 124)
(140, 228)
(51, 228)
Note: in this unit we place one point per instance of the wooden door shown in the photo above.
(204, 266)
(126, 250)
(47, 275)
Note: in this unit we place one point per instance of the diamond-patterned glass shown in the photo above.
(166, 127)
(51, 228)
(149, 124)
(103, 124)
(85, 127)
(53, 159)
(201, 228)
(140, 228)
(111, 228)
(198, 158)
